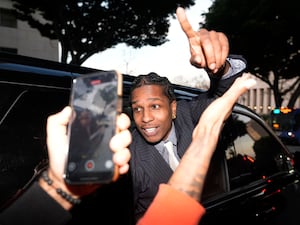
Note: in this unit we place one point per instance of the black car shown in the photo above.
(250, 174)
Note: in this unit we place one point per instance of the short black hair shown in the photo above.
(154, 79)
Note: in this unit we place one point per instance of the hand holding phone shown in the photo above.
(96, 100)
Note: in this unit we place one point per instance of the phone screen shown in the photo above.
(96, 101)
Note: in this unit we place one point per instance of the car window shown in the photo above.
(23, 114)
(255, 153)
(246, 153)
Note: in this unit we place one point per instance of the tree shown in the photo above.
(86, 27)
(264, 32)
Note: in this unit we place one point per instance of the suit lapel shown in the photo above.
(152, 162)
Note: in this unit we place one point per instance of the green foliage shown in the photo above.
(85, 27)
(264, 32)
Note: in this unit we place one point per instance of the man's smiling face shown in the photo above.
(152, 112)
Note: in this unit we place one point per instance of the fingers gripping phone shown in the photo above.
(96, 100)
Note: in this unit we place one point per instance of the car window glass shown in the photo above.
(23, 116)
(216, 181)
(251, 152)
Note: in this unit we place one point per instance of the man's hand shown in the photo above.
(209, 49)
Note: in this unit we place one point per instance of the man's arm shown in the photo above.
(196, 159)
(209, 50)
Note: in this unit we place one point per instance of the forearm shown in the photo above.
(51, 190)
(65, 195)
(189, 176)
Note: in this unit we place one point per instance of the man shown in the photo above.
(159, 118)
(176, 203)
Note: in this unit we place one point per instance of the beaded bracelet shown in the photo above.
(59, 191)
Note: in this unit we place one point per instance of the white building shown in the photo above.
(17, 37)
(260, 98)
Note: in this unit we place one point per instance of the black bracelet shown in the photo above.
(59, 191)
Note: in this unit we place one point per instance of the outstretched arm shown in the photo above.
(196, 160)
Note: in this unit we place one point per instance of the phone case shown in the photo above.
(96, 100)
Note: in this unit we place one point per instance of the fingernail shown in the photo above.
(196, 60)
(212, 66)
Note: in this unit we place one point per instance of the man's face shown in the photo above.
(85, 119)
(152, 112)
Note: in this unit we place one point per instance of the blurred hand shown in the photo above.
(57, 143)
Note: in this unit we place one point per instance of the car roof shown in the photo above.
(33, 68)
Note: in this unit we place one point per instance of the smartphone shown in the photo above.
(96, 100)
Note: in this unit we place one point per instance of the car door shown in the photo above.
(250, 170)
(23, 114)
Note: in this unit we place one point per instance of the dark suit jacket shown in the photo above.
(148, 168)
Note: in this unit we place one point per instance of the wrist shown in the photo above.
(59, 192)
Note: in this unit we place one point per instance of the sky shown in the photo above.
(170, 59)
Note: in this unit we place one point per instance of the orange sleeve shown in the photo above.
(172, 207)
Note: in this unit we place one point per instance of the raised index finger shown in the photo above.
(184, 23)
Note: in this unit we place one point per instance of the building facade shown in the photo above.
(260, 98)
(17, 37)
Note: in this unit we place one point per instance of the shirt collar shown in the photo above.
(171, 137)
